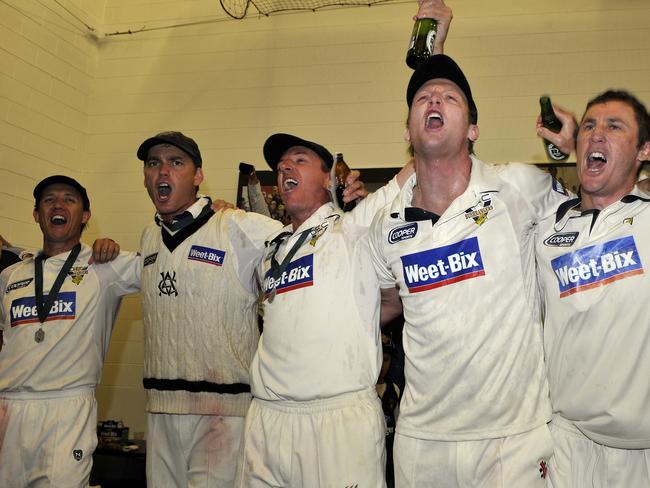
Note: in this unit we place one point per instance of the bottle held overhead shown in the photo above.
(552, 123)
(421, 44)
(341, 172)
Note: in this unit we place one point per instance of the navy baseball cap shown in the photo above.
(441, 66)
(174, 138)
(277, 144)
(64, 180)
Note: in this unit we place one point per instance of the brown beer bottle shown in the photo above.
(341, 172)
(551, 122)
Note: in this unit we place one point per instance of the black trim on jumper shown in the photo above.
(195, 386)
(173, 241)
(594, 212)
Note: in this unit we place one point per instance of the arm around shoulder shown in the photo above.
(124, 275)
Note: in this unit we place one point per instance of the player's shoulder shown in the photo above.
(522, 173)
(17, 266)
(150, 228)
(530, 180)
(248, 221)
(22, 271)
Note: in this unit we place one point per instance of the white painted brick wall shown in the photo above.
(68, 104)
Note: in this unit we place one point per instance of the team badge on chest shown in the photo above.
(318, 231)
(77, 273)
(479, 212)
(167, 284)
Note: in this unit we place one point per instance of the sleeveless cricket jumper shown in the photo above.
(200, 326)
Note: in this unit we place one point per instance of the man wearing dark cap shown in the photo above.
(199, 299)
(457, 245)
(315, 419)
(56, 315)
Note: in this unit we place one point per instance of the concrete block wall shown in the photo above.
(69, 103)
(46, 76)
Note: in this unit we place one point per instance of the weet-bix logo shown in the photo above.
(299, 274)
(402, 233)
(23, 310)
(443, 266)
(207, 255)
(598, 265)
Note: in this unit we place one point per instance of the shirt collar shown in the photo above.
(323, 212)
(571, 208)
(483, 179)
(201, 205)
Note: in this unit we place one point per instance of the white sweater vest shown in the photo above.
(200, 324)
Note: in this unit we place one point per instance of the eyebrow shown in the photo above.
(299, 152)
(608, 119)
(66, 193)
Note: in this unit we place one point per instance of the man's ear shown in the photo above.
(473, 132)
(198, 176)
(85, 217)
(644, 152)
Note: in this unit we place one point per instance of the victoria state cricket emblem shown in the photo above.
(77, 454)
(77, 273)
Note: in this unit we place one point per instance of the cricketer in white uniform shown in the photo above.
(316, 419)
(199, 300)
(593, 255)
(50, 365)
(475, 405)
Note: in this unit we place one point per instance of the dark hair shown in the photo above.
(640, 112)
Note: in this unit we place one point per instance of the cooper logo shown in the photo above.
(19, 284)
(402, 233)
(565, 239)
(150, 259)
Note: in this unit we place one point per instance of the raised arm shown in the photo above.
(565, 140)
(436, 9)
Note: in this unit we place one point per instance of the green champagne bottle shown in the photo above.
(552, 123)
(421, 45)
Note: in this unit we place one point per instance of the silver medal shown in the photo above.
(39, 335)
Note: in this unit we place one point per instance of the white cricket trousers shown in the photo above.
(333, 443)
(192, 451)
(517, 461)
(47, 439)
(579, 461)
